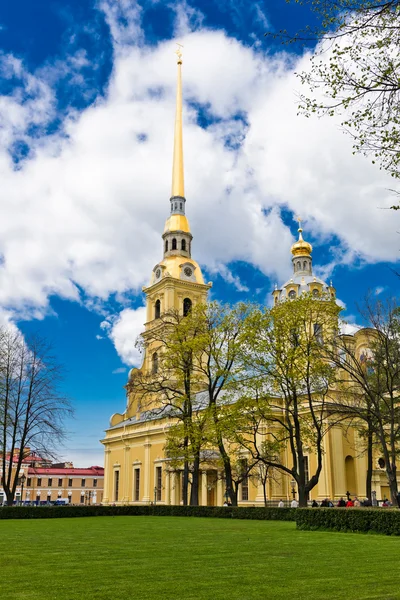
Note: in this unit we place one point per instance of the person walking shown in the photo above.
(294, 503)
(281, 504)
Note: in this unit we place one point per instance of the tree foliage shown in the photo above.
(288, 383)
(355, 73)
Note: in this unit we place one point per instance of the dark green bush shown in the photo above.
(221, 512)
(374, 520)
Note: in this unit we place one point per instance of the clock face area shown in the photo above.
(158, 273)
(292, 294)
(188, 271)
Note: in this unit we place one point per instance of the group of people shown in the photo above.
(341, 503)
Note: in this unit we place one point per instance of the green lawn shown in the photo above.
(165, 558)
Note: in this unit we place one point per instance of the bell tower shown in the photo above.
(176, 281)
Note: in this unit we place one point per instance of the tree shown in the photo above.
(169, 388)
(356, 66)
(287, 388)
(371, 375)
(221, 365)
(32, 409)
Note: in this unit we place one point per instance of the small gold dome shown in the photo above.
(301, 248)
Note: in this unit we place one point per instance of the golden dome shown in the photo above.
(177, 223)
(301, 248)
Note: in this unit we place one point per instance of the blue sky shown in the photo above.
(86, 113)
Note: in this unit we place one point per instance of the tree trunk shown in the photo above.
(232, 493)
(10, 498)
(303, 495)
(185, 482)
(194, 492)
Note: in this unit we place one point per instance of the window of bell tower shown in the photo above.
(187, 306)
(183, 245)
(157, 309)
(173, 244)
(154, 363)
(166, 246)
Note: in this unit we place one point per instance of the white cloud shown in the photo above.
(123, 330)
(119, 370)
(86, 210)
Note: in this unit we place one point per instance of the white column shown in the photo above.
(220, 491)
(106, 475)
(126, 497)
(204, 488)
(173, 488)
(146, 497)
(167, 488)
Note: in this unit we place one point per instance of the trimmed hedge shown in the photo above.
(220, 512)
(375, 520)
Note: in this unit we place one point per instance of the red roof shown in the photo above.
(91, 471)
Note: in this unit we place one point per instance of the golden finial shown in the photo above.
(300, 229)
(178, 52)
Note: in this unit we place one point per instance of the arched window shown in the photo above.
(176, 206)
(187, 306)
(298, 267)
(166, 245)
(180, 205)
(315, 293)
(173, 244)
(154, 363)
(292, 294)
(305, 265)
(183, 245)
(157, 309)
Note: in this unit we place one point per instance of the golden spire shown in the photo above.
(178, 188)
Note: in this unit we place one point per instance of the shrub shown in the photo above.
(220, 512)
(374, 520)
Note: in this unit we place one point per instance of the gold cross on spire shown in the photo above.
(178, 52)
(299, 219)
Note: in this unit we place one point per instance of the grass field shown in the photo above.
(165, 558)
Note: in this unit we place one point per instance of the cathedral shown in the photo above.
(136, 470)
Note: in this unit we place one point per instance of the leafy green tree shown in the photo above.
(170, 388)
(287, 387)
(371, 377)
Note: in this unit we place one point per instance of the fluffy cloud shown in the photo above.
(85, 209)
(123, 330)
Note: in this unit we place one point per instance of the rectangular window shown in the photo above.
(318, 333)
(60, 483)
(116, 486)
(39, 481)
(82, 498)
(94, 482)
(136, 490)
(28, 482)
(158, 483)
(306, 472)
(69, 482)
(83, 482)
(50, 482)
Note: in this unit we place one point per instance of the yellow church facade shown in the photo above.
(136, 470)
